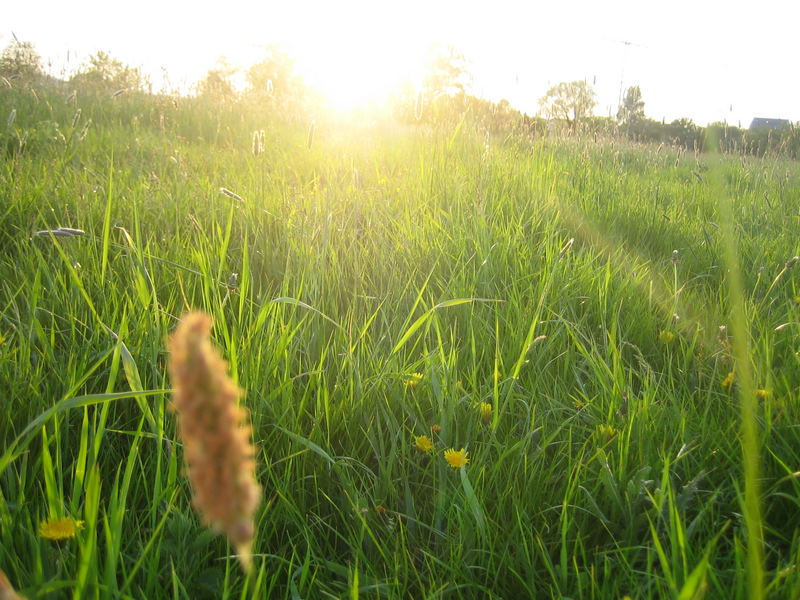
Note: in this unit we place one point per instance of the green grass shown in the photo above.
(533, 274)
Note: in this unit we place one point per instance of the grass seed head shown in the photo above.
(216, 438)
(7, 591)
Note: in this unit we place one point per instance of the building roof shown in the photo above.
(762, 123)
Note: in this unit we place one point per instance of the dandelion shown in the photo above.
(762, 394)
(456, 458)
(436, 428)
(423, 443)
(7, 591)
(666, 337)
(728, 381)
(57, 530)
(216, 438)
(486, 411)
(606, 432)
(414, 380)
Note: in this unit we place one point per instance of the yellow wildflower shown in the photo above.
(606, 432)
(413, 380)
(436, 428)
(728, 381)
(666, 337)
(456, 458)
(763, 394)
(423, 443)
(486, 411)
(215, 434)
(58, 530)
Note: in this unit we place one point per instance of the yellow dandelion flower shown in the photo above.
(423, 443)
(456, 458)
(413, 380)
(763, 394)
(486, 411)
(57, 530)
(436, 428)
(606, 431)
(728, 381)
(666, 337)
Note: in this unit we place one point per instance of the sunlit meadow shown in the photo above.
(476, 365)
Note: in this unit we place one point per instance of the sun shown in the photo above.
(357, 53)
(359, 71)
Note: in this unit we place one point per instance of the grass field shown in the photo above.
(367, 283)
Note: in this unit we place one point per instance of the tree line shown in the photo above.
(272, 83)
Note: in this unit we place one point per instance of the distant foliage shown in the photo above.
(106, 75)
(447, 72)
(632, 108)
(275, 93)
(443, 97)
(20, 60)
(570, 101)
(217, 85)
(274, 83)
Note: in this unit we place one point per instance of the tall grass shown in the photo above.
(536, 275)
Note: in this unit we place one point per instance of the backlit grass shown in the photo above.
(373, 293)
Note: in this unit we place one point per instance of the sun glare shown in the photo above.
(357, 57)
(358, 72)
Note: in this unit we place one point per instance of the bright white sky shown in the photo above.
(707, 60)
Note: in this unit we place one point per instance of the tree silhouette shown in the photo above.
(632, 108)
(20, 60)
(570, 101)
(275, 74)
(446, 72)
(104, 74)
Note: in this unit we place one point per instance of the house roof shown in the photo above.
(763, 123)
